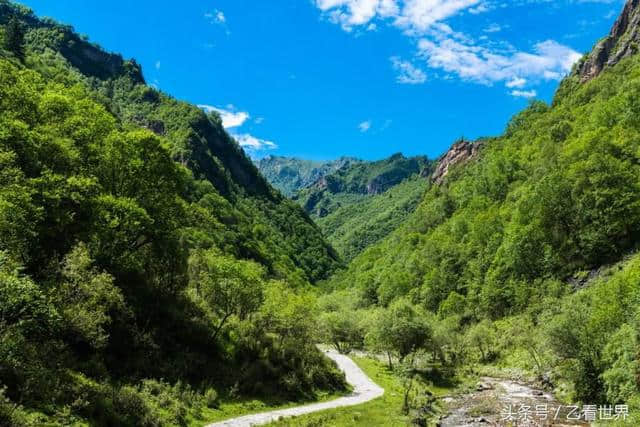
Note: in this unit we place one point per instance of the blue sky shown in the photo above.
(366, 78)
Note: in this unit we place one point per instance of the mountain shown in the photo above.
(147, 269)
(622, 41)
(527, 242)
(531, 204)
(290, 174)
(360, 222)
(362, 202)
(354, 202)
(358, 181)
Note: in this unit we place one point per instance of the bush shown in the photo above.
(211, 398)
(11, 415)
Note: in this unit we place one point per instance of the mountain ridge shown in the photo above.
(142, 254)
(622, 41)
(359, 180)
(291, 174)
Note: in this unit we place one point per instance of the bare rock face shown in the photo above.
(623, 41)
(459, 152)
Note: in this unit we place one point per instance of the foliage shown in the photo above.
(143, 258)
(510, 250)
(355, 203)
(13, 39)
(226, 286)
(532, 210)
(400, 331)
(340, 324)
(362, 221)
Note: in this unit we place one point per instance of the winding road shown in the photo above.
(364, 390)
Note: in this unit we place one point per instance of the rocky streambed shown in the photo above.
(500, 402)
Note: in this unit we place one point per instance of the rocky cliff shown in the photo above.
(622, 41)
(459, 152)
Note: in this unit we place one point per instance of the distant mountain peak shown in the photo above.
(290, 174)
(622, 41)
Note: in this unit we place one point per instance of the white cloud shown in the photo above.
(407, 72)
(479, 60)
(481, 8)
(470, 62)
(419, 16)
(230, 117)
(351, 13)
(524, 93)
(493, 28)
(413, 16)
(251, 143)
(365, 126)
(516, 82)
(216, 17)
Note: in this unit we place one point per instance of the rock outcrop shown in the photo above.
(623, 41)
(459, 152)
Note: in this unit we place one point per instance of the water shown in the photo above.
(498, 402)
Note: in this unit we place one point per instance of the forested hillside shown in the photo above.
(291, 174)
(145, 264)
(357, 181)
(148, 272)
(525, 256)
(362, 221)
(360, 203)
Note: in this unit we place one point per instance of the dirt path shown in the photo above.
(499, 402)
(364, 390)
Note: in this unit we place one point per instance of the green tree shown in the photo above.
(289, 314)
(482, 337)
(229, 287)
(621, 358)
(14, 37)
(400, 331)
(87, 298)
(342, 328)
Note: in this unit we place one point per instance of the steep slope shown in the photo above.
(290, 174)
(622, 41)
(493, 250)
(359, 223)
(358, 181)
(459, 153)
(557, 193)
(194, 139)
(144, 261)
(362, 202)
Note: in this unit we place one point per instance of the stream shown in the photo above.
(500, 402)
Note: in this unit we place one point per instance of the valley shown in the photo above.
(154, 273)
(357, 203)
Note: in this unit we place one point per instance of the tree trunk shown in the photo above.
(219, 328)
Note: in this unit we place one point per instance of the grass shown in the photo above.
(247, 406)
(383, 411)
